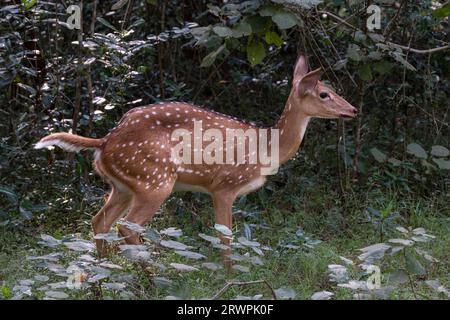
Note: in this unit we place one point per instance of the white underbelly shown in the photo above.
(179, 186)
(245, 189)
(252, 186)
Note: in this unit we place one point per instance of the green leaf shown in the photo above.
(382, 67)
(439, 151)
(268, 11)
(378, 155)
(106, 23)
(354, 53)
(255, 52)
(305, 4)
(28, 4)
(12, 196)
(413, 265)
(273, 38)
(285, 19)
(211, 57)
(442, 164)
(6, 293)
(443, 11)
(119, 4)
(416, 150)
(285, 293)
(223, 31)
(398, 277)
(260, 24)
(242, 29)
(365, 73)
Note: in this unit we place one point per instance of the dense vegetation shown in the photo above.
(382, 179)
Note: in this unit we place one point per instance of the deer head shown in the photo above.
(315, 99)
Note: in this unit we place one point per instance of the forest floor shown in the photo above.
(287, 222)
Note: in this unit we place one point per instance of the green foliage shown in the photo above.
(443, 11)
(255, 52)
(28, 4)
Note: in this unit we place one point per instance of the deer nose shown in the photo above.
(355, 111)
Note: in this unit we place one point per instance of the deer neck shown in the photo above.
(292, 127)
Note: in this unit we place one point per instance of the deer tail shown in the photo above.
(69, 142)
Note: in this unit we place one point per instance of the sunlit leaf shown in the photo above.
(56, 294)
(172, 232)
(183, 267)
(322, 295)
(373, 252)
(211, 239)
(211, 266)
(404, 242)
(223, 229)
(273, 38)
(240, 268)
(337, 273)
(49, 241)
(190, 255)
(80, 245)
(417, 150)
(255, 52)
(285, 293)
(244, 241)
(113, 285)
(171, 244)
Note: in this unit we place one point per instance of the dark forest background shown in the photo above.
(351, 184)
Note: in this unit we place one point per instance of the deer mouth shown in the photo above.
(347, 116)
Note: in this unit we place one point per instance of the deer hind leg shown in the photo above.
(114, 208)
(223, 202)
(144, 206)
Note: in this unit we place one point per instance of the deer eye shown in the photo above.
(323, 95)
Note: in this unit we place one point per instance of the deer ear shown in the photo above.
(309, 81)
(301, 67)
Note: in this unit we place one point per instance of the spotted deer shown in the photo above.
(136, 157)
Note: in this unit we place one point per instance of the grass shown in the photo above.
(276, 216)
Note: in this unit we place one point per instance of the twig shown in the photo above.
(357, 133)
(335, 17)
(94, 18)
(89, 75)
(209, 77)
(243, 283)
(418, 51)
(77, 103)
(127, 14)
(397, 14)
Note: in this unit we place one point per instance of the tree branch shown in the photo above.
(418, 51)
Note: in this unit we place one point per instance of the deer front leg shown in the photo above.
(223, 202)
